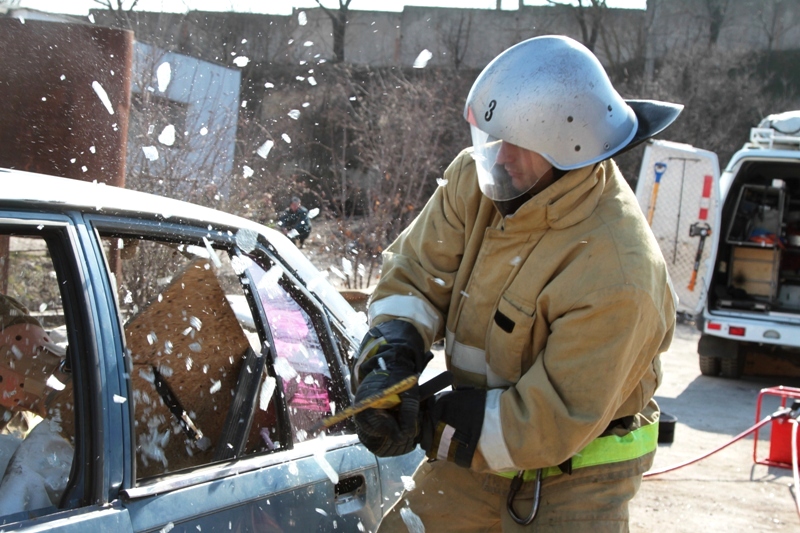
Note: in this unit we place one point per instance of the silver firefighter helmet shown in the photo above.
(551, 95)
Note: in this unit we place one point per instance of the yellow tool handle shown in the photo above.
(652, 208)
(386, 399)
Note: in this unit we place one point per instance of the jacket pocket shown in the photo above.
(510, 339)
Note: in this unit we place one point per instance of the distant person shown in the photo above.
(294, 222)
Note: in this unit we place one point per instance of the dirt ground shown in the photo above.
(726, 492)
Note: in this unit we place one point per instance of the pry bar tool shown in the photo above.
(389, 398)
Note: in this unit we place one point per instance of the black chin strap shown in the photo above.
(509, 207)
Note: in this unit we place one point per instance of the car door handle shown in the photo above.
(350, 494)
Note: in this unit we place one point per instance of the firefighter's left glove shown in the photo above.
(390, 352)
(452, 424)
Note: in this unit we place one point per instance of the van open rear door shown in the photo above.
(678, 191)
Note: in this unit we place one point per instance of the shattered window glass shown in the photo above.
(190, 336)
(300, 361)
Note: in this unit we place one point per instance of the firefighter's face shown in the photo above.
(528, 170)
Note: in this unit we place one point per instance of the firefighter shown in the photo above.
(535, 264)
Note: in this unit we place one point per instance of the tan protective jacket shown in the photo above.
(560, 309)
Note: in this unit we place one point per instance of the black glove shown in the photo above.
(388, 432)
(398, 344)
(389, 353)
(451, 425)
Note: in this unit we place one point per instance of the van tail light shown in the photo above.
(715, 326)
(736, 330)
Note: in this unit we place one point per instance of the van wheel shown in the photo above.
(733, 367)
(710, 366)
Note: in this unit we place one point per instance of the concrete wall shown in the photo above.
(748, 25)
(468, 37)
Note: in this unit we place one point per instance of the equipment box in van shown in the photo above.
(732, 241)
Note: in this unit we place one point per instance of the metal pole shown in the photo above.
(680, 205)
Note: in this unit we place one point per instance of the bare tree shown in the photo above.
(339, 20)
(772, 16)
(715, 11)
(371, 144)
(724, 92)
(456, 39)
(404, 135)
(589, 15)
(121, 13)
(116, 5)
(330, 161)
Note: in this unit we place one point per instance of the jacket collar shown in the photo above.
(566, 202)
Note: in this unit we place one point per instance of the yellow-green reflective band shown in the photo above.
(371, 348)
(605, 450)
(368, 350)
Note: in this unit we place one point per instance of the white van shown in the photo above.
(731, 241)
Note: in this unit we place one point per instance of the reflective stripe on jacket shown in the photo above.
(560, 309)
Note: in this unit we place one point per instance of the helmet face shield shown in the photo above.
(505, 171)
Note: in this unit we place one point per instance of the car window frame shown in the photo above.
(87, 484)
(178, 231)
(265, 333)
(166, 231)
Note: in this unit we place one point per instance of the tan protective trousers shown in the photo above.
(448, 498)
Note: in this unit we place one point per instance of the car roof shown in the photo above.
(29, 187)
(756, 153)
(39, 190)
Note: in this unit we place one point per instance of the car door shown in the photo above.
(230, 363)
(62, 465)
(679, 192)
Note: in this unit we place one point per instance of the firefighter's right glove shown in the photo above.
(395, 346)
(387, 432)
(390, 352)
